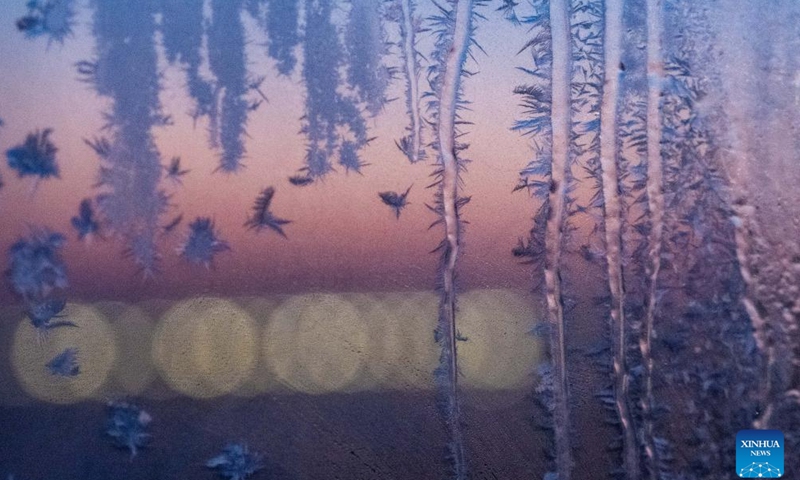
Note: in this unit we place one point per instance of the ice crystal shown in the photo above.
(174, 172)
(300, 180)
(236, 462)
(395, 200)
(36, 267)
(127, 426)
(202, 243)
(262, 218)
(35, 157)
(43, 312)
(172, 224)
(51, 18)
(85, 223)
(65, 364)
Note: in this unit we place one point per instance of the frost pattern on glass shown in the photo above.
(404, 12)
(183, 31)
(366, 45)
(36, 266)
(279, 20)
(333, 123)
(53, 19)
(658, 178)
(125, 71)
(454, 30)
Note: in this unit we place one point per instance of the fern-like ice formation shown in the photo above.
(586, 96)
(125, 70)
(547, 121)
(333, 123)
(366, 46)
(279, 20)
(454, 37)
(228, 63)
(183, 32)
(561, 127)
(612, 46)
(654, 453)
(700, 284)
(404, 12)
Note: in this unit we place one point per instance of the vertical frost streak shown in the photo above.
(446, 138)
(746, 233)
(612, 44)
(126, 72)
(655, 201)
(411, 67)
(561, 120)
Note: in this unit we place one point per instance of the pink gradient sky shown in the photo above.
(341, 236)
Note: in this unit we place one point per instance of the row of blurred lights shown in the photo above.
(313, 344)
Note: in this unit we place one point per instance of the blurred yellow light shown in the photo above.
(316, 343)
(261, 379)
(404, 324)
(134, 370)
(93, 338)
(205, 347)
(500, 353)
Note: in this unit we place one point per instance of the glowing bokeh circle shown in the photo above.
(205, 347)
(93, 338)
